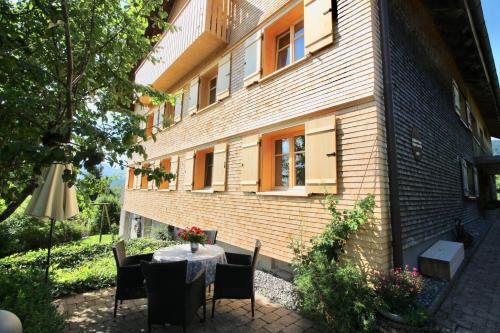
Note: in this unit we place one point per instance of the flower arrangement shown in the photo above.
(399, 289)
(194, 235)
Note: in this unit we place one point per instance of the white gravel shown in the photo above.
(276, 289)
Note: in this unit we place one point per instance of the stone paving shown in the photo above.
(93, 312)
(473, 304)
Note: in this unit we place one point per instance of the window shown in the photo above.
(203, 169)
(284, 159)
(149, 125)
(284, 41)
(208, 87)
(131, 178)
(178, 106)
(165, 165)
(209, 164)
(144, 178)
(470, 180)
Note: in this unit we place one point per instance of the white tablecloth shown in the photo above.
(207, 256)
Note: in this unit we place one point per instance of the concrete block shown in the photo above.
(442, 260)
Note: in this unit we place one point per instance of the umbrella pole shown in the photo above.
(52, 221)
(100, 229)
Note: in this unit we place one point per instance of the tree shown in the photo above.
(66, 88)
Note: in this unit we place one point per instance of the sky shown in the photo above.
(491, 10)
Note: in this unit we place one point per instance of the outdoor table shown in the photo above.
(207, 256)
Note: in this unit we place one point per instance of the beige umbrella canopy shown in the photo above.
(53, 199)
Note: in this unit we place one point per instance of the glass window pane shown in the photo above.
(299, 48)
(299, 29)
(281, 172)
(300, 143)
(283, 58)
(281, 147)
(300, 169)
(283, 40)
(209, 162)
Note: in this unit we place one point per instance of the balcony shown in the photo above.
(202, 28)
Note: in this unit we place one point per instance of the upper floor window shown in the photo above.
(212, 89)
(290, 45)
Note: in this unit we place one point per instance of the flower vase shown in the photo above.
(194, 247)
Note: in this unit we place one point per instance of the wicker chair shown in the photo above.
(170, 299)
(235, 280)
(129, 278)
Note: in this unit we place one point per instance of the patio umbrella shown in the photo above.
(53, 199)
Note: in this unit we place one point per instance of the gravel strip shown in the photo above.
(431, 289)
(276, 289)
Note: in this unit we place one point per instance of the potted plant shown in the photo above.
(195, 236)
(397, 294)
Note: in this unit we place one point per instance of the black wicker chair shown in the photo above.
(129, 278)
(170, 299)
(234, 280)
(211, 236)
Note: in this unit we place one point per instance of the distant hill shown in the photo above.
(496, 146)
(114, 171)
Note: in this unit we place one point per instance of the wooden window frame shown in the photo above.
(214, 88)
(209, 168)
(291, 161)
(291, 34)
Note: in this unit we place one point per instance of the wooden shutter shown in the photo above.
(193, 95)
(224, 77)
(131, 178)
(252, 58)
(469, 114)
(219, 167)
(321, 155)
(476, 183)
(465, 178)
(250, 163)
(456, 97)
(188, 170)
(178, 107)
(318, 24)
(165, 163)
(150, 124)
(144, 178)
(174, 168)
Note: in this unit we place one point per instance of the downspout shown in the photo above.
(395, 208)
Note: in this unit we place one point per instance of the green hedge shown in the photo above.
(24, 293)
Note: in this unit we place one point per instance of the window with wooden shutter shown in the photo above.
(174, 168)
(252, 58)
(321, 155)
(250, 163)
(188, 170)
(219, 168)
(318, 22)
(224, 77)
(178, 106)
(456, 97)
(165, 165)
(144, 178)
(152, 183)
(193, 95)
(465, 178)
(131, 178)
(469, 114)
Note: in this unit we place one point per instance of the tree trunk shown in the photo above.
(12, 206)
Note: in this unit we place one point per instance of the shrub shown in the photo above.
(333, 291)
(22, 233)
(398, 290)
(82, 265)
(24, 293)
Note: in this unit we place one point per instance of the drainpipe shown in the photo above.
(395, 208)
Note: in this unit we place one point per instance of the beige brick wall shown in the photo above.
(340, 79)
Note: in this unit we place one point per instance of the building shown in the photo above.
(278, 102)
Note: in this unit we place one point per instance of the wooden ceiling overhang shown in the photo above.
(461, 24)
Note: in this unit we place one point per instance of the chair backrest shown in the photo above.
(119, 253)
(165, 287)
(211, 235)
(175, 236)
(256, 253)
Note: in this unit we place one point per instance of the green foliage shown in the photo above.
(22, 233)
(66, 88)
(333, 291)
(24, 293)
(82, 265)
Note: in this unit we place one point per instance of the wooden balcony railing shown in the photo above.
(201, 27)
